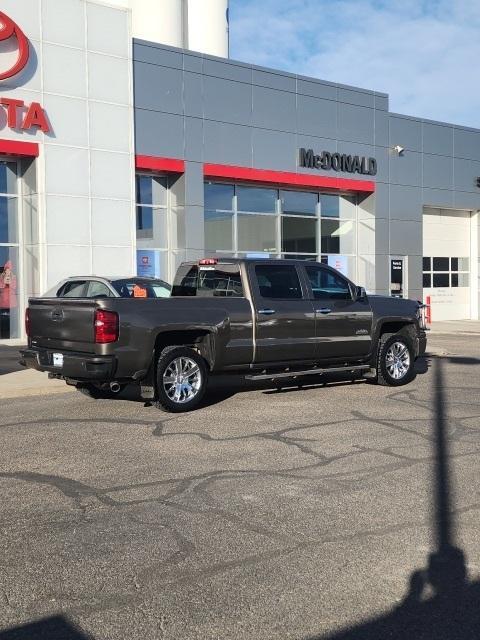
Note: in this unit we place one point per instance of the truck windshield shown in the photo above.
(208, 281)
(140, 288)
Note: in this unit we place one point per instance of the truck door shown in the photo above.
(342, 325)
(284, 315)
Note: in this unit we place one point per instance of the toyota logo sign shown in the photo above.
(8, 29)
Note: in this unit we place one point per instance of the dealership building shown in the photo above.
(130, 142)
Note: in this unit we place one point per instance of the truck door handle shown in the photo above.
(324, 310)
(266, 312)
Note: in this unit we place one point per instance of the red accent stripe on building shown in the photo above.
(153, 163)
(286, 178)
(17, 148)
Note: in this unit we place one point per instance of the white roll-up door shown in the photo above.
(447, 263)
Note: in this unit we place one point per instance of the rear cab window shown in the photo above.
(209, 281)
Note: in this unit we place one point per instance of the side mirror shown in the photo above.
(360, 293)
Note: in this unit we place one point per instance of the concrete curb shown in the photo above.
(453, 333)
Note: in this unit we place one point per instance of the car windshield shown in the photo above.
(141, 288)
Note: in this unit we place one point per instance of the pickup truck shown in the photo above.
(272, 320)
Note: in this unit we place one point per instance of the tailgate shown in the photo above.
(62, 323)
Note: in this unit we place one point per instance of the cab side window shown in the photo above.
(278, 282)
(328, 284)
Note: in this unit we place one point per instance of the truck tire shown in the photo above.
(395, 360)
(181, 379)
(97, 393)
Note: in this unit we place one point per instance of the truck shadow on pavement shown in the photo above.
(9, 357)
(51, 628)
(441, 602)
(223, 387)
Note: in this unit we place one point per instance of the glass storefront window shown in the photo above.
(144, 219)
(9, 252)
(253, 221)
(332, 206)
(257, 233)
(9, 293)
(151, 190)
(219, 230)
(299, 235)
(151, 207)
(299, 203)
(337, 236)
(329, 206)
(153, 235)
(8, 177)
(218, 196)
(257, 199)
(8, 219)
(300, 256)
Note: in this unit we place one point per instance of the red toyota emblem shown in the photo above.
(8, 29)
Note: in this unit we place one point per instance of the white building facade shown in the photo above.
(67, 187)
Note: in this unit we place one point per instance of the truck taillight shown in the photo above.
(27, 322)
(106, 326)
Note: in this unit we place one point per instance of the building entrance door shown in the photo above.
(398, 276)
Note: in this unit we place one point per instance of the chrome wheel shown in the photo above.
(182, 380)
(397, 360)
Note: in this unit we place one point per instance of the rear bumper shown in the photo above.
(78, 366)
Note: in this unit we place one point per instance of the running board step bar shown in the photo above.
(307, 372)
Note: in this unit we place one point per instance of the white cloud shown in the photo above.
(424, 53)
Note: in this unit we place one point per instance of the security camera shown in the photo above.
(399, 149)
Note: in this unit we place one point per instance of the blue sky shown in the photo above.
(424, 53)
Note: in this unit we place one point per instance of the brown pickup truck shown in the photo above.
(270, 319)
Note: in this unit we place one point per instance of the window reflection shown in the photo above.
(257, 233)
(256, 199)
(8, 219)
(8, 177)
(9, 281)
(219, 196)
(219, 230)
(337, 236)
(299, 203)
(152, 217)
(9, 293)
(299, 235)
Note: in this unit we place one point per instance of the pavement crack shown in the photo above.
(72, 489)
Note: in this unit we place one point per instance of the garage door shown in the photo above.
(446, 262)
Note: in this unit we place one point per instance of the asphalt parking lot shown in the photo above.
(306, 513)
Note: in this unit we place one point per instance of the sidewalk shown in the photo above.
(465, 327)
(30, 383)
(16, 381)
